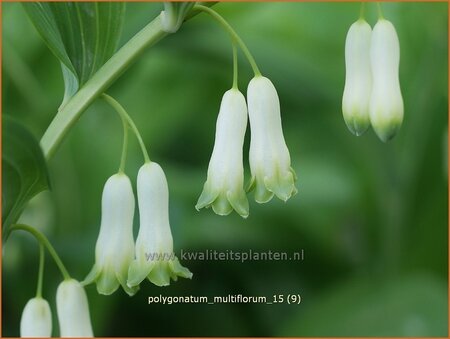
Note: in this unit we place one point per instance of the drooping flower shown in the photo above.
(73, 310)
(270, 162)
(36, 319)
(155, 258)
(224, 187)
(386, 102)
(114, 249)
(358, 77)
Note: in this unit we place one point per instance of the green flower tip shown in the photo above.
(387, 130)
(157, 272)
(108, 281)
(223, 202)
(137, 272)
(279, 185)
(358, 125)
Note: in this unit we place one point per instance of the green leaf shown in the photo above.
(24, 169)
(82, 35)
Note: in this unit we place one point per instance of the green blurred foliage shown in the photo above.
(371, 217)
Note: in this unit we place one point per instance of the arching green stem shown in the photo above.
(44, 242)
(233, 34)
(101, 80)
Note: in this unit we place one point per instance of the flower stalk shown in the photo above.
(41, 271)
(235, 37)
(235, 67)
(127, 121)
(44, 241)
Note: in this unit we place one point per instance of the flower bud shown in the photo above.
(270, 162)
(358, 78)
(114, 249)
(36, 319)
(224, 187)
(73, 310)
(386, 102)
(155, 259)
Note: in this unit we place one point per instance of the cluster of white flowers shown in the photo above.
(73, 313)
(372, 94)
(117, 260)
(270, 162)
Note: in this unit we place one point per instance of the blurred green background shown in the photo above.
(371, 217)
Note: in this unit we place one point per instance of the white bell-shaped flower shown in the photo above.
(224, 187)
(36, 319)
(386, 102)
(114, 249)
(270, 162)
(73, 310)
(358, 77)
(155, 258)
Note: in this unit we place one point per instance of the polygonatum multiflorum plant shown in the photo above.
(84, 37)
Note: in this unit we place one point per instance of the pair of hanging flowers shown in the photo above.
(270, 162)
(72, 309)
(372, 94)
(119, 261)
